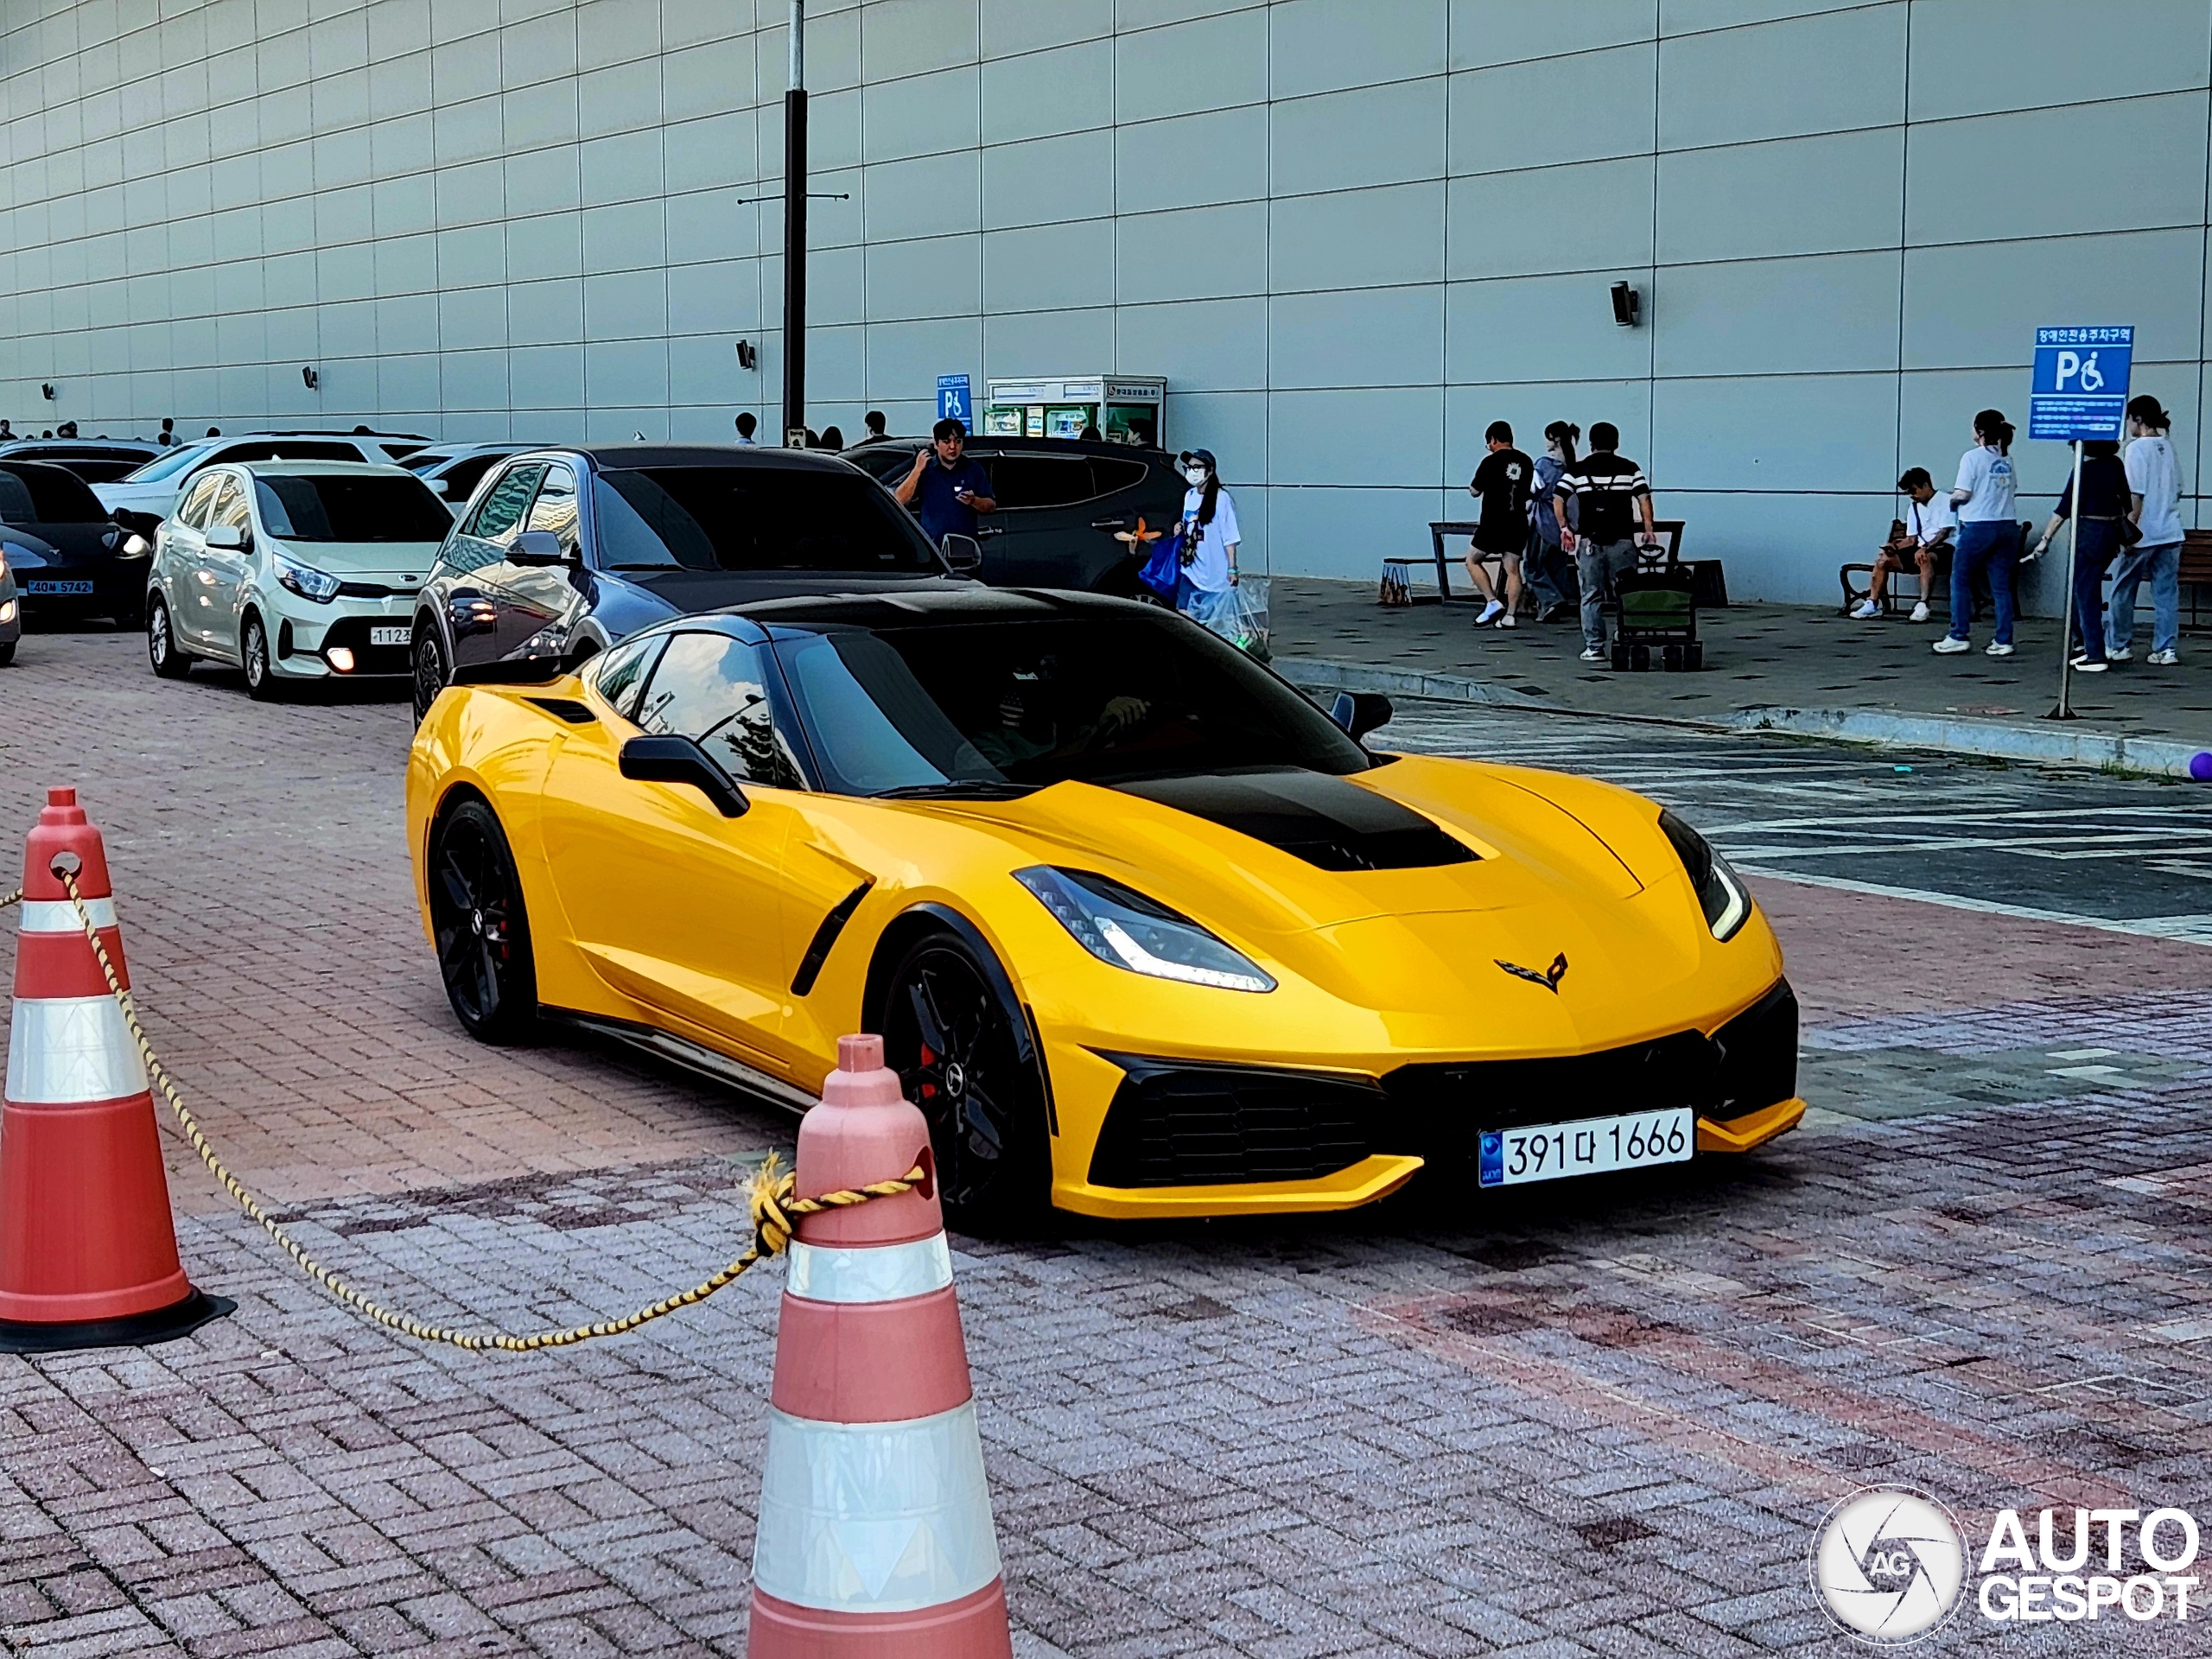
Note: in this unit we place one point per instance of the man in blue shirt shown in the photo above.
(945, 490)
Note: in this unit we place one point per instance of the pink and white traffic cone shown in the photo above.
(875, 1535)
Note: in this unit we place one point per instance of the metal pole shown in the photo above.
(2065, 709)
(794, 233)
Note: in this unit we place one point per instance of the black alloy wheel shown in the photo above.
(430, 660)
(162, 652)
(481, 928)
(959, 1058)
(253, 657)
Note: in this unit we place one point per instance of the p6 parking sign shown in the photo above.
(2080, 385)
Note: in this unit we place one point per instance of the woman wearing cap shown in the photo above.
(2154, 484)
(1210, 539)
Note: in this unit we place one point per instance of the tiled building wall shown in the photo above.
(1351, 232)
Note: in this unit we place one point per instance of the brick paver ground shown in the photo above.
(1599, 1418)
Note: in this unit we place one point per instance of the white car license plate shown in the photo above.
(391, 636)
(1545, 1152)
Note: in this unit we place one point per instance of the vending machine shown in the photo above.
(1118, 408)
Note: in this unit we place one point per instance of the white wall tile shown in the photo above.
(1067, 90)
(1319, 46)
(921, 116)
(1393, 233)
(1755, 432)
(1485, 33)
(1813, 195)
(2038, 52)
(931, 196)
(1050, 267)
(1199, 253)
(1048, 179)
(1777, 317)
(1209, 63)
(1576, 109)
(1541, 328)
(1822, 73)
(1198, 345)
(1355, 436)
(1356, 337)
(1192, 160)
(1401, 136)
(1550, 219)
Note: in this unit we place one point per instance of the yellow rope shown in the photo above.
(775, 1209)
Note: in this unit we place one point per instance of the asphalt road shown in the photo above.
(2126, 853)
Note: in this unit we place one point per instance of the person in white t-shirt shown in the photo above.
(1989, 535)
(2154, 485)
(1210, 539)
(1929, 525)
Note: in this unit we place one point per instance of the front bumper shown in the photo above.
(336, 643)
(1183, 1137)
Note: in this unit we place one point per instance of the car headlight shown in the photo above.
(1127, 929)
(1720, 891)
(306, 581)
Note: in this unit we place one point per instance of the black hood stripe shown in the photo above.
(1331, 824)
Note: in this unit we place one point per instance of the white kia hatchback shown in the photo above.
(292, 570)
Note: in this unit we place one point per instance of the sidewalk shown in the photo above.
(1784, 668)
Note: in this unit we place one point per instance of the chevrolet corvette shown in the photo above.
(1146, 931)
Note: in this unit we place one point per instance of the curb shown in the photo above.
(1949, 733)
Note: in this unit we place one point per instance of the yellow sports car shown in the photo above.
(1146, 932)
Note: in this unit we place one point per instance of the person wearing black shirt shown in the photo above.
(2106, 503)
(1502, 484)
(1610, 490)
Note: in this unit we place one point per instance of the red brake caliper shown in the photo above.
(929, 1058)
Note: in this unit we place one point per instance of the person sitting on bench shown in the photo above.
(1929, 525)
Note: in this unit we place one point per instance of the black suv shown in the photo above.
(1061, 503)
(563, 552)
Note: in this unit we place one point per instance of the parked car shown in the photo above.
(69, 557)
(97, 460)
(1061, 503)
(453, 470)
(566, 551)
(11, 608)
(140, 500)
(292, 570)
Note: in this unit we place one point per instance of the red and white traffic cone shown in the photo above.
(875, 1535)
(88, 1249)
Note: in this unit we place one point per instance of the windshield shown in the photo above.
(170, 465)
(360, 507)
(987, 704)
(754, 518)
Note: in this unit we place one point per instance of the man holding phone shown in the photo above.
(945, 489)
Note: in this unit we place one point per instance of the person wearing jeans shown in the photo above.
(2104, 506)
(1989, 538)
(2154, 484)
(1609, 491)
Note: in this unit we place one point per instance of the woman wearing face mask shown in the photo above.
(1210, 537)
(1551, 573)
(1988, 536)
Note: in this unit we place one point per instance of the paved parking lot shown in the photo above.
(1600, 1419)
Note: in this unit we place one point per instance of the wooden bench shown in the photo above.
(1712, 584)
(2196, 571)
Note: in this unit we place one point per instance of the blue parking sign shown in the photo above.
(953, 400)
(2079, 388)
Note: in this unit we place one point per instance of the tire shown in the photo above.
(1694, 655)
(430, 672)
(1672, 657)
(163, 654)
(959, 1058)
(481, 928)
(253, 657)
(1639, 658)
(1620, 658)
(7, 653)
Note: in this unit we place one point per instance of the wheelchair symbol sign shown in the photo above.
(2079, 388)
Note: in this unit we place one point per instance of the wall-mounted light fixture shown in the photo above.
(47, 392)
(1628, 306)
(747, 357)
(310, 379)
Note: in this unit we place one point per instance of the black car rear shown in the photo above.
(69, 557)
(1061, 505)
(97, 460)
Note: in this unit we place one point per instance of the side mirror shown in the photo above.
(1361, 712)
(536, 547)
(230, 539)
(681, 760)
(439, 486)
(962, 555)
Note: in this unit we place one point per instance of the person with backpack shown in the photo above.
(2104, 510)
(2154, 486)
(1988, 535)
(1607, 490)
(1501, 483)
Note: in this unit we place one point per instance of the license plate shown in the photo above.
(391, 636)
(57, 587)
(1545, 1152)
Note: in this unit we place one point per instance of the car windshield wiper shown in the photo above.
(973, 789)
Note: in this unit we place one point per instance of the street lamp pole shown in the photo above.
(795, 235)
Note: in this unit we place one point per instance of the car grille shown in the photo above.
(1172, 1123)
(1440, 1111)
(352, 632)
(1179, 1123)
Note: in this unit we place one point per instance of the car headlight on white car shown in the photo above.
(306, 581)
(1720, 892)
(1123, 927)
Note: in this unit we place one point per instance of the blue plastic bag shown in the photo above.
(1164, 566)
